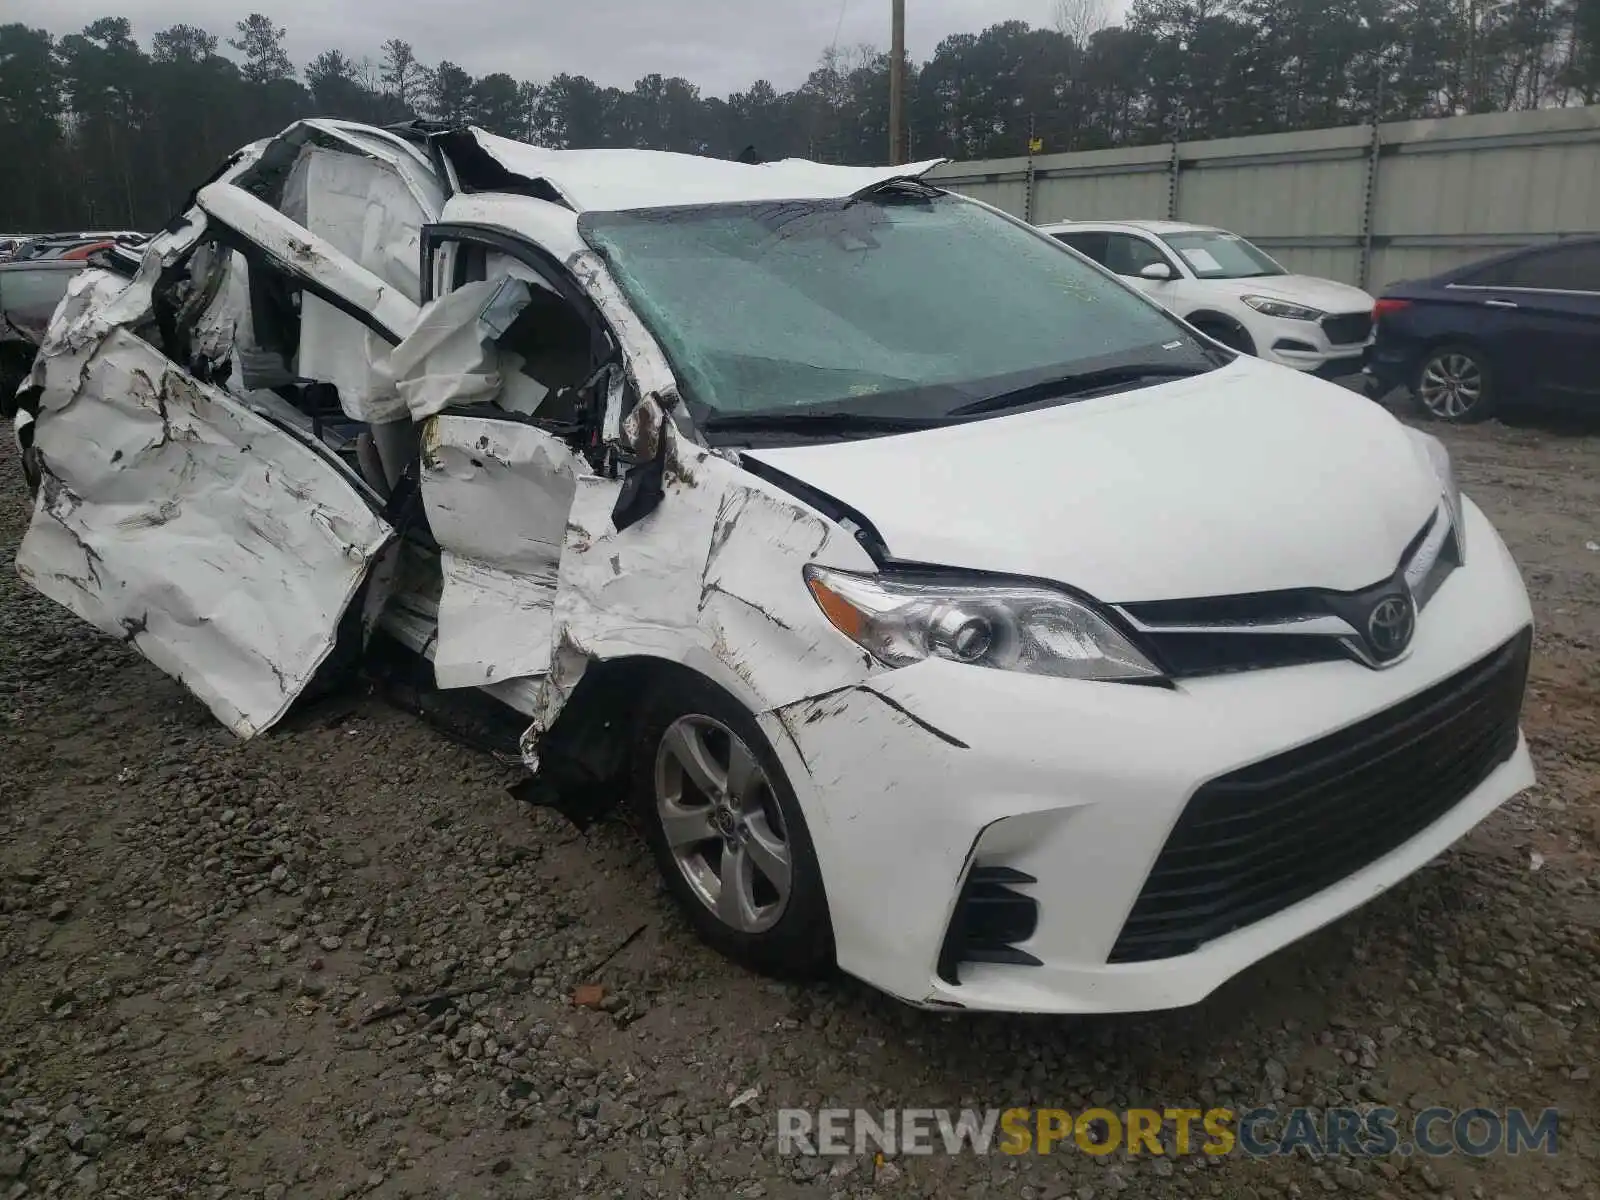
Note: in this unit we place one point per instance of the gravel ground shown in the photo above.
(205, 946)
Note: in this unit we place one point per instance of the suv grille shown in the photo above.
(1346, 329)
(1252, 843)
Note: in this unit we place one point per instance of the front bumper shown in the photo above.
(1077, 785)
(1304, 345)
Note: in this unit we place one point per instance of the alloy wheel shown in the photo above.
(1451, 385)
(722, 823)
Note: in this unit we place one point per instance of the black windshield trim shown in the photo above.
(1083, 385)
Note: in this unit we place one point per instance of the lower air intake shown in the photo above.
(989, 920)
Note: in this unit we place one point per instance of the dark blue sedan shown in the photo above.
(1519, 329)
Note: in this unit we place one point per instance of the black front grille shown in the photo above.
(1346, 329)
(1219, 638)
(1187, 655)
(1252, 843)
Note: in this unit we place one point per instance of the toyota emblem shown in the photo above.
(1390, 626)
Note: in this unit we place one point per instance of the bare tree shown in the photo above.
(1080, 20)
(403, 76)
(368, 76)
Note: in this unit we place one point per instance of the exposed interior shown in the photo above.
(467, 430)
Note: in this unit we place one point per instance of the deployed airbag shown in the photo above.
(450, 360)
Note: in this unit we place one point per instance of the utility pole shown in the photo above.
(1027, 198)
(897, 86)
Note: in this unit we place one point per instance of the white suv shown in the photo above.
(1232, 290)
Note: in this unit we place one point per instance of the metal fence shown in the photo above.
(1364, 204)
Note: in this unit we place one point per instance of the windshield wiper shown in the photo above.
(1078, 385)
(820, 423)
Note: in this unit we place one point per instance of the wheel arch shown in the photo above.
(583, 759)
(1437, 341)
(1201, 317)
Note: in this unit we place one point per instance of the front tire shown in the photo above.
(1231, 334)
(727, 832)
(1454, 384)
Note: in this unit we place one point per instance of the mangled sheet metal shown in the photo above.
(96, 302)
(222, 548)
(222, 303)
(311, 259)
(618, 180)
(740, 618)
(497, 493)
(548, 225)
(538, 581)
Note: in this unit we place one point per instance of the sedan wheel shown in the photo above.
(1454, 385)
(722, 823)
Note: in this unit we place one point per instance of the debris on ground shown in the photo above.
(340, 960)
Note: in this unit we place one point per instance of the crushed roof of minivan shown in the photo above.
(622, 180)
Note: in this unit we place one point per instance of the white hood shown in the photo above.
(1325, 294)
(1250, 478)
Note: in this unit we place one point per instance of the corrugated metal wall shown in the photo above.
(1363, 205)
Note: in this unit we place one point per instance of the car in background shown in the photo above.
(59, 245)
(29, 293)
(9, 243)
(1232, 291)
(1519, 329)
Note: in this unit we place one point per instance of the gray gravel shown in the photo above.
(341, 961)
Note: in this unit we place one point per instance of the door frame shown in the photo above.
(478, 575)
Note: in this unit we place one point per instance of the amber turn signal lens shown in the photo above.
(846, 618)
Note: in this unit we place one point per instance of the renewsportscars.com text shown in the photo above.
(1255, 1133)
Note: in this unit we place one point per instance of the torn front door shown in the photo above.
(497, 493)
(223, 548)
(496, 486)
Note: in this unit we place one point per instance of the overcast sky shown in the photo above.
(721, 45)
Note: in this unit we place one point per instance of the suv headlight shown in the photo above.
(1269, 306)
(1032, 629)
(1439, 460)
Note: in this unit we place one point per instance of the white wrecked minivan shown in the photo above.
(948, 611)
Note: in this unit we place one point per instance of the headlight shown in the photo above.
(1036, 630)
(1439, 459)
(1267, 306)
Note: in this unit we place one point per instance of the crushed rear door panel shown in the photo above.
(224, 549)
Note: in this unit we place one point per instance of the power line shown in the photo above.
(897, 84)
(844, 7)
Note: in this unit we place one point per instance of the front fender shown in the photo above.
(710, 579)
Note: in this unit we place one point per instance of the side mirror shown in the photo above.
(1158, 271)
